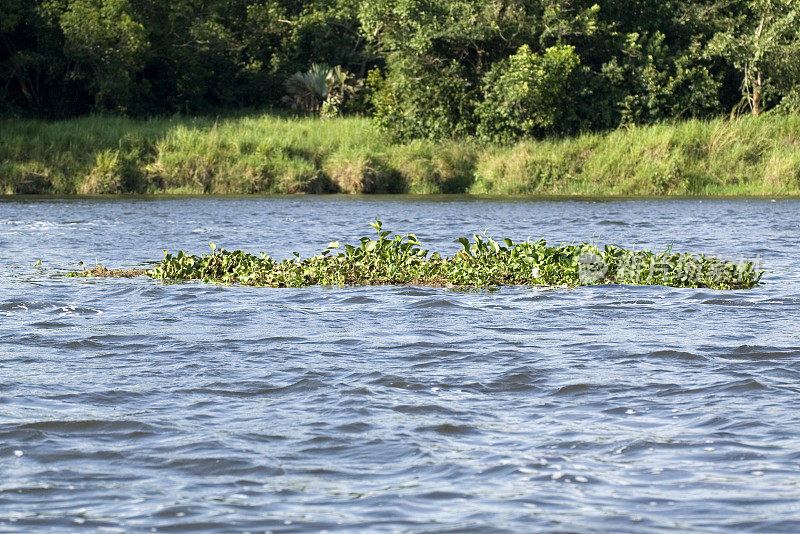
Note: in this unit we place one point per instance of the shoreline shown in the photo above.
(266, 154)
(399, 197)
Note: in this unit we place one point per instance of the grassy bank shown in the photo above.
(272, 154)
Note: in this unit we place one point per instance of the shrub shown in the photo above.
(525, 95)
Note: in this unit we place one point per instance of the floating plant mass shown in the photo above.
(483, 262)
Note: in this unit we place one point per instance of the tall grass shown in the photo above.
(267, 153)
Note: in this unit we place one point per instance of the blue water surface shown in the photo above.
(133, 405)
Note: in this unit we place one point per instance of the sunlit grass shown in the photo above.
(275, 153)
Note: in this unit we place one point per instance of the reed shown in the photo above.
(278, 154)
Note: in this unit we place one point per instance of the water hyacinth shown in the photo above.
(482, 262)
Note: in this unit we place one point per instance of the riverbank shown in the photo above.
(272, 154)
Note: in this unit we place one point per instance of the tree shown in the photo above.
(762, 41)
(437, 54)
(525, 95)
(103, 37)
(33, 70)
(320, 89)
(16, 58)
(308, 90)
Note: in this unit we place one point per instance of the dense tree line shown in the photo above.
(496, 68)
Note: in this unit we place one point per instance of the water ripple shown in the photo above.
(130, 405)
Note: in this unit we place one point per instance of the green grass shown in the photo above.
(483, 262)
(269, 153)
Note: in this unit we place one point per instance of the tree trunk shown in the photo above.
(757, 90)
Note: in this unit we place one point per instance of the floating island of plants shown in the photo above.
(483, 262)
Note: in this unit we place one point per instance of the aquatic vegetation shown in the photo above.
(100, 271)
(482, 262)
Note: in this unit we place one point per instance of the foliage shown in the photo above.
(439, 69)
(67, 57)
(763, 43)
(651, 80)
(341, 86)
(415, 102)
(320, 89)
(449, 65)
(527, 94)
(308, 90)
(483, 262)
(108, 45)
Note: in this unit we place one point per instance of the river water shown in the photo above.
(134, 405)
